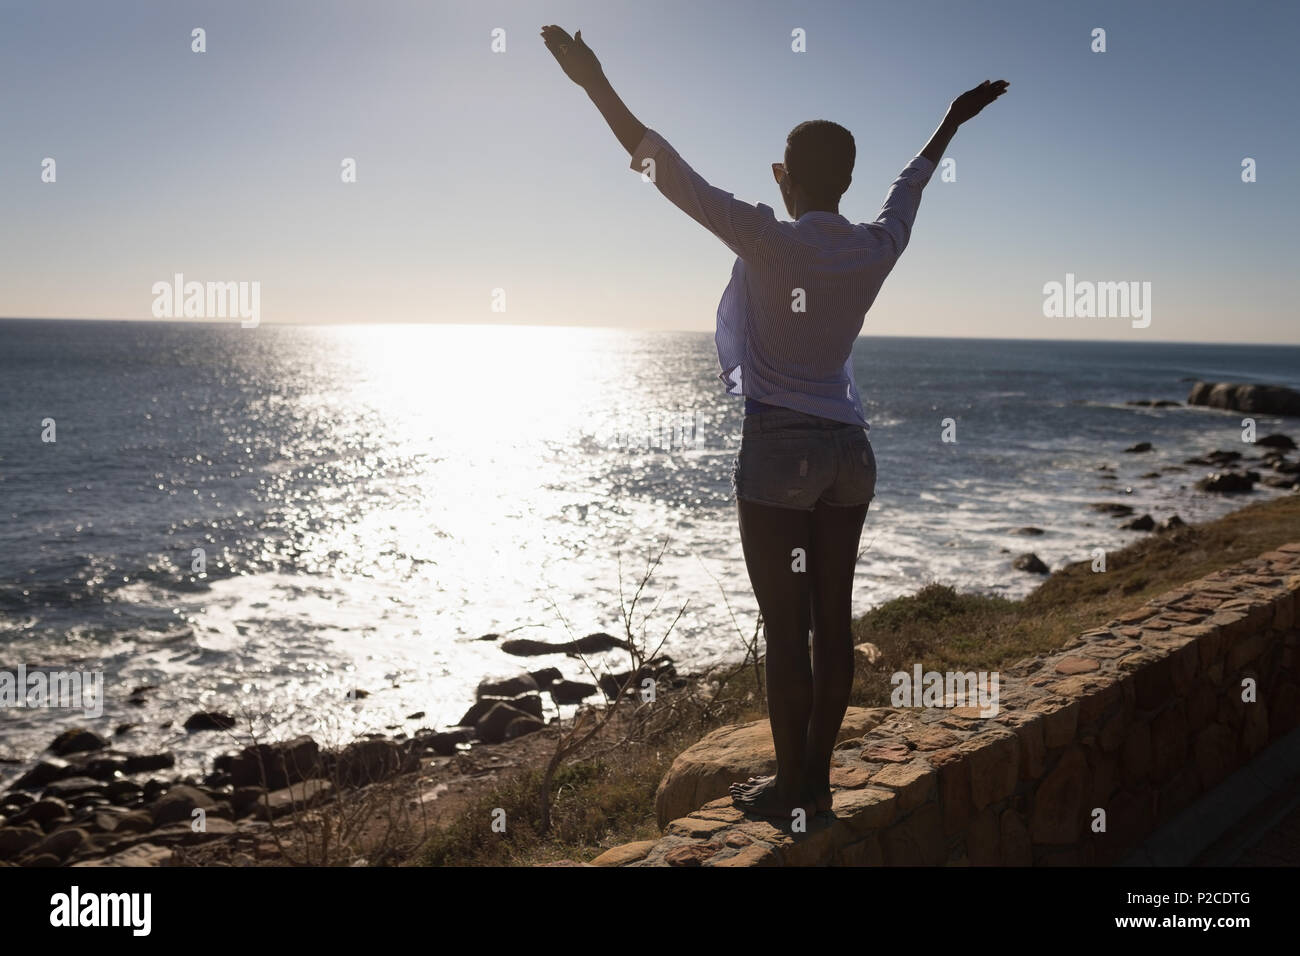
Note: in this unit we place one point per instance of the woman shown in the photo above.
(805, 474)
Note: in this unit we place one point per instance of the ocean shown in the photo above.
(365, 502)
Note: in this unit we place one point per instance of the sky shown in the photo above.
(479, 170)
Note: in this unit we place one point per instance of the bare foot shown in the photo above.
(818, 798)
(762, 798)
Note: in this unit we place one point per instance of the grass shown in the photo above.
(944, 630)
(610, 800)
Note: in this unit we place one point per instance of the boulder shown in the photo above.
(1237, 397)
(1028, 530)
(15, 841)
(209, 720)
(178, 804)
(703, 771)
(591, 644)
(147, 763)
(365, 761)
(507, 686)
(1139, 447)
(1275, 441)
(1144, 523)
(76, 740)
(1112, 508)
(1030, 562)
(1226, 483)
(492, 727)
(75, 786)
(869, 652)
(273, 765)
(298, 797)
(45, 771)
(142, 854)
(43, 812)
(527, 724)
(61, 843)
(1172, 522)
(444, 743)
(571, 691)
(545, 677)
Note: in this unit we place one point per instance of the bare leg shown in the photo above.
(832, 561)
(770, 536)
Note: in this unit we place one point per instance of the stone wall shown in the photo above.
(1135, 719)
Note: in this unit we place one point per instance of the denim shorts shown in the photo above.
(791, 459)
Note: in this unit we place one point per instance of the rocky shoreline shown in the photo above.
(1271, 468)
(88, 803)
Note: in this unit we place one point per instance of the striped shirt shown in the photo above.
(799, 291)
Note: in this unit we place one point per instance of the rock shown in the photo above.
(1140, 446)
(1153, 403)
(61, 843)
(526, 724)
(139, 821)
(75, 741)
(123, 729)
(107, 767)
(298, 797)
(1028, 530)
(365, 761)
(1280, 481)
(546, 677)
(15, 841)
(153, 789)
(178, 805)
(43, 812)
(75, 786)
(444, 743)
(1144, 523)
(282, 763)
(591, 644)
(507, 686)
(1114, 509)
(1172, 522)
(1264, 399)
(571, 691)
(209, 720)
(869, 652)
(41, 860)
(418, 715)
(703, 771)
(45, 771)
(492, 727)
(1030, 562)
(147, 763)
(15, 801)
(472, 716)
(142, 854)
(1275, 440)
(123, 791)
(1226, 482)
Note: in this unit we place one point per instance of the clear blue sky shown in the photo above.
(480, 170)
